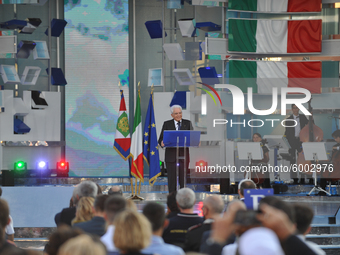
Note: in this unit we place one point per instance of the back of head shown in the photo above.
(155, 213)
(113, 206)
(99, 189)
(115, 190)
(171, 202)
(83, 245)
(4, 216)
(236, 205)
(185, 198)
(214, 203)
(336, 133)
(246, 184)
(84, 210)
(99, 203)
(134, 231)
(85, 189)
(59, 237)
(281, 205)
(303, 216)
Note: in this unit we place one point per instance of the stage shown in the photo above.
(43, 198)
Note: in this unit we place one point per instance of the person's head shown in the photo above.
(131, 205)
(257, 137)
(113, 206)
(115, 190)
(59, 237)
(336, 135)
(99, 189)
(4, 218)
(99, 203)
(279, 204)
(185, 199)
(212, 206)
(84, 210)
(303, 217)
(176, 112)
(245, 184)
(83, 245)
(171, 202)
(155, 213)
(295, 110)
(134, 231)
(84, 189)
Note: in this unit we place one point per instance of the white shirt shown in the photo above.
(297, 127)
(9, 228)
(107, 238)
(176, 125)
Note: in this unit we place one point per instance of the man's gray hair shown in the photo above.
(85, 189)
(185, 198)
(172, 108)
(214, 203)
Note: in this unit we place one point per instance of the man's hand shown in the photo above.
(162, 144)
(277, 221)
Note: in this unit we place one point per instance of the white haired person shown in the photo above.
(178, 225)
(176, 123)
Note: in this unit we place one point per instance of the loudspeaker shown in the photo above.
(7, 178)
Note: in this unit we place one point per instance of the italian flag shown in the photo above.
(275, 5)
(262, 76)
(137, 144)
(122, 137)
(274, 36)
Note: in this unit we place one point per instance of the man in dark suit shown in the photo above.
(212, 208)
(177, 123)
(292, 134)
(97, 225)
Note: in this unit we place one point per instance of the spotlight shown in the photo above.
(20, 166)
(202, 164)
(42, 165)
(62, 168)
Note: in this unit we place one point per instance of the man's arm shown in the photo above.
(160, 139)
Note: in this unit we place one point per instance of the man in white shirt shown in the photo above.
(113, 206)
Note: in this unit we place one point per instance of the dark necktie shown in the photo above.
(178, 125)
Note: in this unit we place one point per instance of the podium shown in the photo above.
(250, 151)
(181, 139)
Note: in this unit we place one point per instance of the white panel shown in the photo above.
(183, 76)
(216, 46)
(44, 124)
(19, 107)
(40, 51)
(155, 77)
(9, 74)
(330, 48)
(8, 44)
(30, 75)
(173, 51)
(39, 211)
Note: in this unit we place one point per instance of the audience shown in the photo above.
(179, 224)
(59, 237)
(134, 232)
(172, 208)
(155, 213)
(245, 184)
(113, 206)
(304, 216)
(84, 211)
(83, 245)
(9, 228)
(115, 190)
(84, 189)
(6, 247)
(97, 225)
(212, 208)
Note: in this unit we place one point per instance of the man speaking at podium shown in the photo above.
(177, 123)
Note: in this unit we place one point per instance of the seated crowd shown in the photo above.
(109, 224)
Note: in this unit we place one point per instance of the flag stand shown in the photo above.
(134, 195)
